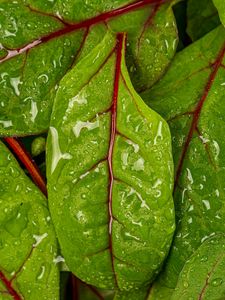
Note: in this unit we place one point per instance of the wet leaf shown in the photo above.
(190, 97)
(27, 240)
(110, 174)
(202, 18)
(40, 41)
(202, 277)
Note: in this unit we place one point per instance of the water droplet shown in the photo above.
(58, 259)
(159, 133)
(6, 124)
(138, 165)
(206, 204)
(42, 272)
(81, 125)
(217, 282)
(56, 152)
(18, 220)
(39, 238)
(43, 78)
(14, 172)
(15, 82)
(204, 258)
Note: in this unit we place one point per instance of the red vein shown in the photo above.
(215, 67)
(68, 28)
(10, 289)
(208, 277)
(113, 131)
(149, 22)
(22, 265)
(56, 17)
(26, 159)
(81, 45)
(8, 282)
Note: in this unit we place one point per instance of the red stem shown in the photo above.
(10, 289)
(26, 159)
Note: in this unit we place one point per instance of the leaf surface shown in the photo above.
(140, 294)
(202, 277)
(190, 98)
(41, 41)
(202, 18)
(27, 241)
(220, 5)
(110, 174)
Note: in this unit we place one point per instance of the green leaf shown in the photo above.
(88, 292)
(202, 18)
(190, 97)
(220, 5)
(203, 275)
(110, 174)
(133, 295)
(40, 41)
(27, 241)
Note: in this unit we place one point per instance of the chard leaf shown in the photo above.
(203, 275)
(27, 240)
(220, 5)
(41, 40)
(190, 98)
(202, 18)
(110, 174)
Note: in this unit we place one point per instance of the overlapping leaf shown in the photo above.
(220, 5)
(191, 98)
(203, 275)
(110, 174)
(202, 18)
(27, 241)
(140, 294)
(41, 40)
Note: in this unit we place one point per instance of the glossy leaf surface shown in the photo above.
(202, 277)
(190, 97)
(40, 41)
(202, 18)
(27, 241)
(110, 174)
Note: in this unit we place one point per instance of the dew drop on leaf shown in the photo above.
(217, 282)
